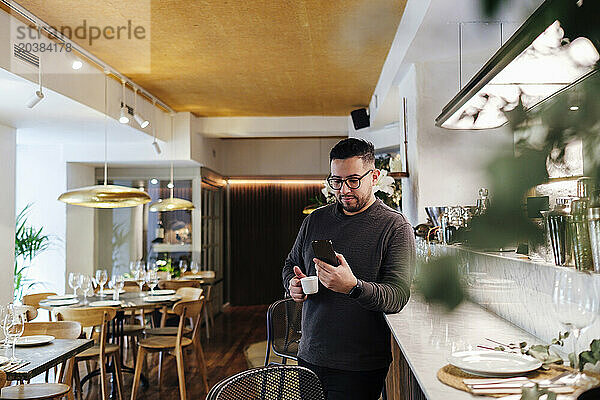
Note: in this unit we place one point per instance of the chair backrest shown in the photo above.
(34, 299)
(179, 283)
(189, 293)
(131, 286)
(188, 309)
(284, 328)
(90, 317)
(30, 312)
(290, 382)
(2, 378)
(58, 329)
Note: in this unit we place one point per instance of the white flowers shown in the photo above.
(385, 183)
(328, 192)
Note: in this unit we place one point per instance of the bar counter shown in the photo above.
(426, 336)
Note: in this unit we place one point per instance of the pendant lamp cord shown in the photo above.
(172, 155)
(105, 130)
(40, 62)
(154, 120)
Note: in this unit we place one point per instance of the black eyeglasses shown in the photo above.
(352, 183)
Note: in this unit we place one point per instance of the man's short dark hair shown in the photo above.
(352, 147)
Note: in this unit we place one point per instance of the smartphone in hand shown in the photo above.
(324, 251)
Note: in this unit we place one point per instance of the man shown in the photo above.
(345, 339)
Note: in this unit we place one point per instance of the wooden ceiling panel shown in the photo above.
(243, 58)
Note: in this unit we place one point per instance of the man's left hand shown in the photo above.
(339, 279)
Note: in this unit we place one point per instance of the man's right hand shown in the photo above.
(296, 287)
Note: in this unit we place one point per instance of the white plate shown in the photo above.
(61, 297)
(162, 292)
(161, 299)
(493, 363)
(55, 303)
(110, 291)
(34, 340)
(105, 303)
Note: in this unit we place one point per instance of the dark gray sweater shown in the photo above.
(379, 245)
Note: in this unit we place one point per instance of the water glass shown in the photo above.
(183, 267)
(117, 283)
(86, 285)
(194, 267)
(576, 305)
(74, 282)
(140, 277)
(3, 312)
(102, 278)
(152, 279)
(14, 323)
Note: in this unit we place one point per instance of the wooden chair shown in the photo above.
(33, 300)
(42, 391)
(185, 309)
(209, 320)
(186, 293)
(36, 391)
(30, 312)
(91, 317)
(60, 330)
(178, 283)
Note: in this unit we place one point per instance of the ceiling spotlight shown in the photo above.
(35, 98)
(156, 147)
(154, 181)
(39, 94)
(77, 64)
(139, 118)
(123, 117)
(574, 108)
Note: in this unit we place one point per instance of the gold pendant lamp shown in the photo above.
(172, 203)
(105, 196)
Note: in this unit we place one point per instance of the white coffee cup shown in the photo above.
(310, 284)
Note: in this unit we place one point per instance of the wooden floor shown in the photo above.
(234, 329)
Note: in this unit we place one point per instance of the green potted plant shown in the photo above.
(29, 242)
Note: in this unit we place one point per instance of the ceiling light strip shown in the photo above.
(275, 181)
(103, 65)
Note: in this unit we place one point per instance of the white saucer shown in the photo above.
(34, 340)
(493, 363)
(62, 297)
(55, 303)
(105, 303)
(162, 292)
(161, 299)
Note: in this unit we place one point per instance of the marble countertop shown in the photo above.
(427, 336)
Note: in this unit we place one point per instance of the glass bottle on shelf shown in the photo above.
(160, 232)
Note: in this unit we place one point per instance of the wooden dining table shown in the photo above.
(43, 357)
(130, 301)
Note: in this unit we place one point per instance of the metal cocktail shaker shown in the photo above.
(578, 225)
(594, 229)
(558, 231)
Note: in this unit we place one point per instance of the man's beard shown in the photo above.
(353, 206)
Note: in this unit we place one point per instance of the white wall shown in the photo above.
(277, 157)
(80, 223)
(41, 178)
(451, 164)
(7, 211)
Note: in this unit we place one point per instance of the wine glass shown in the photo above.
(3, 312)
(183, 267)
(85, 283)
(116, 283)
(576, 305)
(151, 265)
(152, 279)
(102, 278)
(194, 267)
(73, 279)
(140, 277)
(14, 323)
